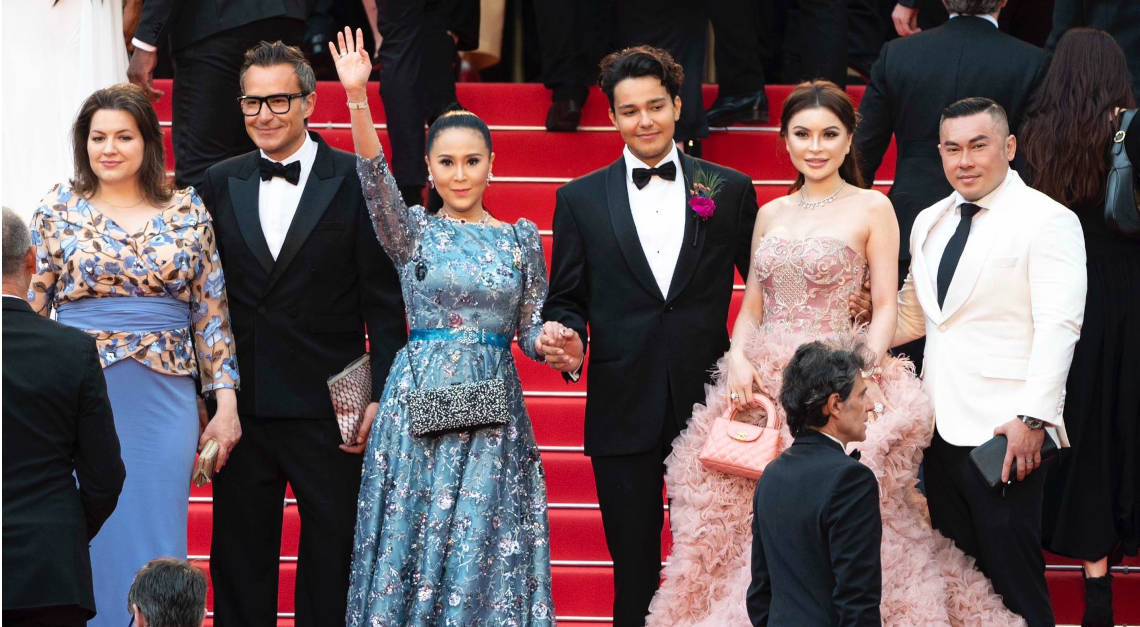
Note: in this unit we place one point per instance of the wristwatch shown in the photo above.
(1033, 423)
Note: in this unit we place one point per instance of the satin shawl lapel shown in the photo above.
(621, 216)
(977, 250)
(690, 252)
(244, 200)
(319, 191)
(919, 264)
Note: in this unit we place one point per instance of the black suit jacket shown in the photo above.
(302, 318)
(57, 420)
(189, 21)
(647, 350)
(918, 76)
(816, 531)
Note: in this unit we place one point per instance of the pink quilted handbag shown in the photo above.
(740, 448)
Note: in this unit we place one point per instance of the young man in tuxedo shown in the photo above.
(817, 561)
(997, 287)
(58, 432)
(307, 278)
(652, 280)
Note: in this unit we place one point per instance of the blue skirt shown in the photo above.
(156, 419)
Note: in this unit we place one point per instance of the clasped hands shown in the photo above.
(560, 346)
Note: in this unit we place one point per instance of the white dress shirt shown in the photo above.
(940, 234)
(277, 199)
(989, 18)
(659, 216)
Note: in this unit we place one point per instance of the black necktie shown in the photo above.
(270, 169)
(641, 176)
(954, 248)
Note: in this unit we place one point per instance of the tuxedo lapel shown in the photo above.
(977, 250)
(694, 241)
(244, 198)
(621, 217)
(320, 189)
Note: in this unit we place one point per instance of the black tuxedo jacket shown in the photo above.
(302, 318)
(816, 531)
(189, 21)
(647, 351)
(918, 76)
(57, 420)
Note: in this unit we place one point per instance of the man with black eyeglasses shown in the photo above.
(306, 278)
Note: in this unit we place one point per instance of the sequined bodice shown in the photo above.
(806, 282)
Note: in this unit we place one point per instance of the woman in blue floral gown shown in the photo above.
(451, 529)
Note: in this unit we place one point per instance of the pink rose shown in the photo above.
(703, 207)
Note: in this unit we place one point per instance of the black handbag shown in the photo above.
(989, 457)
(1121, 207)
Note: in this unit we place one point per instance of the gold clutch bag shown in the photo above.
(204, 468)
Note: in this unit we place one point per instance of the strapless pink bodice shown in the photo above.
(806, 283)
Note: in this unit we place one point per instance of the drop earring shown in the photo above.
(490, 177)
(431, 181)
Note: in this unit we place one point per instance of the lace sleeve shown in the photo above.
(534, 287)
(397, 226)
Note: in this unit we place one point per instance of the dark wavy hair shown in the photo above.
(132, 99)
(821, 94)
(816, 372)
(636, 62)
(1071, 120)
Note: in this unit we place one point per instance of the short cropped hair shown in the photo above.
(972, 7)
(17, 241)
(268, 54)
(640, 61)
(973, 106)
(170, 593)
(815, 372)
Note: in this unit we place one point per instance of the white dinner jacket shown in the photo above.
(1003, 341)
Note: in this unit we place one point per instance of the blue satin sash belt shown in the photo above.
(461, 335)
(144, 314)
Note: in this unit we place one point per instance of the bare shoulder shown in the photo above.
(771, 211)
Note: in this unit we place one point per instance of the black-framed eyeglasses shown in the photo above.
(277, 103)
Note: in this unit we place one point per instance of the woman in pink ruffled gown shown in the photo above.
(812, 250)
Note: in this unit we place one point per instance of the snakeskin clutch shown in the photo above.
(351, 391)
(460, 407)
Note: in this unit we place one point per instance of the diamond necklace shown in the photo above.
(815, 204)
(483, 220)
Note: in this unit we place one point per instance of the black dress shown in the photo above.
(1092, 499)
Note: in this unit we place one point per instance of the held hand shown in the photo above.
(742, 381)
(366, 421)
(553, 336)
(859, 304)
(141, 72)
(1023, 445)
(567, 351)
(225, 428)
(906, 20)
(353, 65)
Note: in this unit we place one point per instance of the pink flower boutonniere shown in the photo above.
(702, 197)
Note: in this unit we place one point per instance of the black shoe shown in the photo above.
(728, 110)
(563, 116)
(1098, 602)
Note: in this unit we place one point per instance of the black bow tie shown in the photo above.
(667, 171)
(856, 455)
(270, 169)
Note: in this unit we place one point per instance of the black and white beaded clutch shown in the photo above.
(460, 407)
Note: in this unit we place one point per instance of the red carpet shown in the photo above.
(530, 164)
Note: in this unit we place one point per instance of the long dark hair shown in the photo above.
(1070, 122)
(821, 94)
(152, 172)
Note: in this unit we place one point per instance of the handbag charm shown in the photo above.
(739, 448)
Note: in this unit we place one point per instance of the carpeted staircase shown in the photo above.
(530, 164)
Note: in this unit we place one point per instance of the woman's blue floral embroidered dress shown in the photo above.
(452, 530)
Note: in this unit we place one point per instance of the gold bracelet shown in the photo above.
(357, 105)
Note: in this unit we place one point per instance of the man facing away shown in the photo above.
(62, 470)
(652, 278)
(307, 277)
(997, 285)
(816, 526)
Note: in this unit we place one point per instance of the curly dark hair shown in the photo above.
(1071, 120)
(133, 100)
(636, 62)
(816, 372)
(821, 94)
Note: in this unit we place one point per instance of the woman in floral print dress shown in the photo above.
(121, 257)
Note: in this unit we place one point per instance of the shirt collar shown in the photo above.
(12, 296)
(632, 162)
(306, 152)
(833, 439)
(989, 18)
(987, 201)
